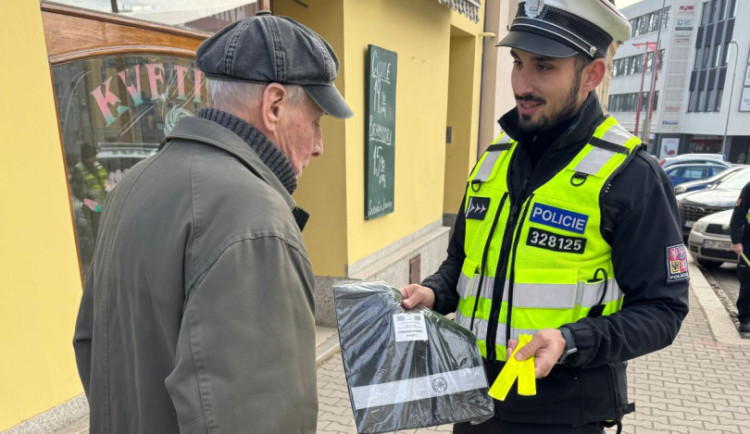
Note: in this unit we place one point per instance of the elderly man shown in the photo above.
(197, 313)
(568, 232)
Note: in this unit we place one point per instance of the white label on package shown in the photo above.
(414, 389)
(409, 327)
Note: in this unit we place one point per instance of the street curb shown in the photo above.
(719, 323)
(65, 418)
(327, 349)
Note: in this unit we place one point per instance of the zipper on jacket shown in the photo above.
(513, 268)
(483, 264)
(500, 271)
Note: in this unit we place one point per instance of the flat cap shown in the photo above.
(564, 28)
(275, 49)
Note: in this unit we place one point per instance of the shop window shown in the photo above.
(207, 16)
(114, 112)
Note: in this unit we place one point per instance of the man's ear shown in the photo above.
(272, 105)
(593, 74)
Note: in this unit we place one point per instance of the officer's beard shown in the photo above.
(546, 122)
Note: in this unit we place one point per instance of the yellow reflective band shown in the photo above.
(745, 259)
(523, 370)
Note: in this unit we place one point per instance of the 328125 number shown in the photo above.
(552, 241)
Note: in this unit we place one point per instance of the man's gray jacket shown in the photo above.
(197, 311)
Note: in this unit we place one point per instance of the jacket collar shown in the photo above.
(213, 134)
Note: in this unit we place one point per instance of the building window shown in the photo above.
(717, 57)
(716, 10)
(114, 111)
(693, 102)
(702, 103)
(698, 58)
(733, 8)
(719, 94)
(725, 57)
(628, 102)
(665, 17)
(633, 65)
(711, 101)
(649, 22)
(706, 13)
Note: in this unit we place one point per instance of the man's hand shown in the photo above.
(546, 346)
(737, 248)
(417, 295)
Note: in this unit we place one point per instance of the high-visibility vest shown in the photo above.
(557, 266)
(95, 183)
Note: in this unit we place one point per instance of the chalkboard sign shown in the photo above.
(380, 129)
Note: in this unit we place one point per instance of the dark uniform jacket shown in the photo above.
(740, 230)
(641, 222)
(197, 312)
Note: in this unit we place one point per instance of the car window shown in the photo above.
(694, 172)
(675, 171)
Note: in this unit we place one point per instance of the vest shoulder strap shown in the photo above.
(502, 143)
(608, 140)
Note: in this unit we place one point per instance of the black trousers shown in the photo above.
(497, 426)
(743, 300)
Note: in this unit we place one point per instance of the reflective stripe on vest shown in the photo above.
(556, 257)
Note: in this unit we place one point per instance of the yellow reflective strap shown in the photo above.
(523, 370)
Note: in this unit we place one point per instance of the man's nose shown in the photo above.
(318, 147)
(522, 85)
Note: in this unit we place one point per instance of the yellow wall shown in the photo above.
(322, 188)
(419, 31)
(40, 285)
(332, 187)
(463, 114)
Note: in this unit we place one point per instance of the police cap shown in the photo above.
(564, 28)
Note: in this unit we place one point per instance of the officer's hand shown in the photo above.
(547, 345)
(737, 248)
(417, 295)
(511, 347)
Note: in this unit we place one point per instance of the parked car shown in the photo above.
(695, 205)
(704, 183)
(691, 158)
(710, 242)
(684, 172)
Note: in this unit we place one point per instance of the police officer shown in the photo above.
(568, 231)
(740, 232)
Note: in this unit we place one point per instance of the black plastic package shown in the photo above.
(406, 369)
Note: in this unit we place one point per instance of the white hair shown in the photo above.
(230, 93)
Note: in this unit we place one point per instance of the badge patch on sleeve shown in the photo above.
(677, 266)
(477, 208)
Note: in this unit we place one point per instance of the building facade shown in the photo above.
(105, 80)
(700, 78)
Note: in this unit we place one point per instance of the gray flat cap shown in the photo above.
(275, 49)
